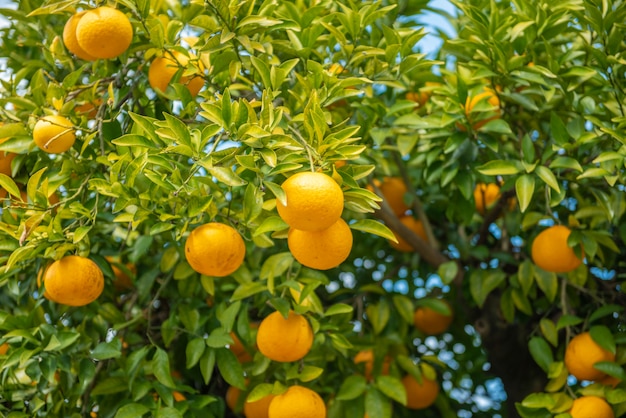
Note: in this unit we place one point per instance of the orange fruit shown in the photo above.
(104, 32)
(314, 201)
(284, 340)
(215, 249)
(485, 195)
(69, 37)
(415, 226)
(393, 190)
(591, 407)
(6, 158)
(88, 109)
(609, 381)
(297, 402)
(178, 397)
(232, 397)
(73, 281)
(582, 353)
(321, 250)
(122, 280)
(238, 349)
(163, 69)
(367, 357)
(471, 102)
(259, 408)
(550, 251)
(420, 395)
(4, 348)
(419, 97)
(54, 134)
(431, 322)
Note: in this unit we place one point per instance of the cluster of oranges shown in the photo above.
(318, 237)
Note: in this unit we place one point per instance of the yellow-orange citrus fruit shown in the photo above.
(415, 226)
(479, 120)
(178, 397)
(485, 195)
(238, 349)
(258, 409)
(420, 396)
(215, 249)
(321, 250)
(591, 407)
(393, 190)
(73, 281)
(609, 381)
(550, 251)
(163, 69)
(314, 201)
(431, 322)
(232, 397)
(104, 32)
(88, 109)
(54, 134)
(6, 158)
(367, 357)
(284, 340)
(122, 280)
(582, 353)
(4, 348)
(69, 37)
(297, 402)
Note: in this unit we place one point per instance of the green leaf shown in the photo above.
(605, 310)
(500, 168)
(304, 374)
(338, 308)
(230, 368)
(549, 331)
(568, 321)
(194, 351)
(132, 410)
(541, 352)
(207, 364)
(169, 412)
(405, 308)
(378, 314)
(524, 189)
(226, 175)
(548, 177)
(377, 404)
(259, 392)
(161, 368)
(484, 282)
(374, 227)
(134, 140)
(603, 336)
(539, 400)
(547, 282)
(105, 351)
(566, 163)
(448, 271)
(351, 388)
(392, 387)
(9, 185)
(558, 129)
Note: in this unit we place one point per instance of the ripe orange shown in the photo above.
(582, 353)
(419, 97)
(298, 402)
(420, 396)
(54, 134)
(88, 109)
(238, 349)
(73, 281)
(163, 69)
(178, 397)
(393, 190)
(367, 357)
(6, 158)
(314, 201)
(415, 226)
(321, 250)
(485, 195)
(104, 32)
(258, 409)
(232, 397)
(479, 120)
(215, 249)
(591, 407)
(550, 251)
(4, 348)
(122, 280)
(609, 380)
(284, 340)
(69, 37)
(431, 322)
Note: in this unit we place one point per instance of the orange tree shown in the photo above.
(109, 164)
